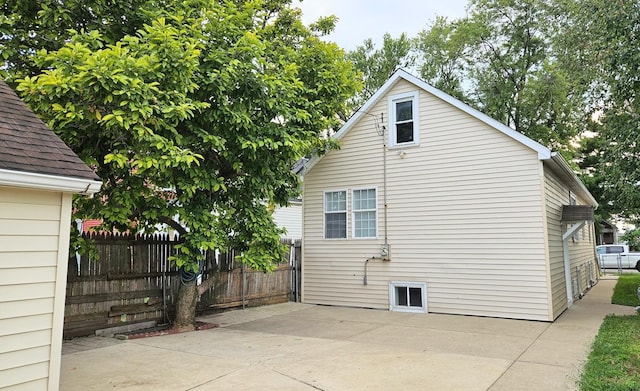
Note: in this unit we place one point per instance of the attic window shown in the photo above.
(403, 120)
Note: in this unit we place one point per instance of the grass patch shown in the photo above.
(625, 292)
(614, 362)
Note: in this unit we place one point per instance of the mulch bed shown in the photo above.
(163, 330)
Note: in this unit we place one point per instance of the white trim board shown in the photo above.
(30, 180)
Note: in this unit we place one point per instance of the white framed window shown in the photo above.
(365, 213)
(404, 127)
(335, 214)
(408, 296)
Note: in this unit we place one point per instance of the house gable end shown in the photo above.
(543, 152)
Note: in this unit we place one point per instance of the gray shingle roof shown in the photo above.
(27, 144)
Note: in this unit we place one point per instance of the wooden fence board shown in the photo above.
(132, 281)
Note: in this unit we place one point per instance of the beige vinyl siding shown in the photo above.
(556, 196)
(31, 288)
(581, 252)
(464, 216)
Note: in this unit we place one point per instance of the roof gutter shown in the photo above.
(30, 180)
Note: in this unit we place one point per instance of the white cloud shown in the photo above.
(362, 19)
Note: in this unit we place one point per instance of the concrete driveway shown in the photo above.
(305, 347)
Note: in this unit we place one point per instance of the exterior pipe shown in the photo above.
(384, 178)
(365, 272)
(366, 262)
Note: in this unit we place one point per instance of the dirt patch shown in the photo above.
(163, 330)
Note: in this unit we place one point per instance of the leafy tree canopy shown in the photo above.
(443, 48)
(612, 43)
(27, 26)
(196, 119)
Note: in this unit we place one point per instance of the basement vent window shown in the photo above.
(408, 296)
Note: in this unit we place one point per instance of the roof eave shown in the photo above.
(565, 169)
(31, 180)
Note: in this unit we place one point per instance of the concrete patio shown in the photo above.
(305, 347)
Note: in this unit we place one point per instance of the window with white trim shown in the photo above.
(404, 129)
(335, 214)
(364, 213)
(408, 296)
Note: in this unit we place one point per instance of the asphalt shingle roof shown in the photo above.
(27, 144)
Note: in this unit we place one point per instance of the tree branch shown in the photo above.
(206, 285)
(173, 224)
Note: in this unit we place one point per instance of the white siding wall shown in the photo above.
(465, 216)
(290, 218)
(581, 251)
(32, 286)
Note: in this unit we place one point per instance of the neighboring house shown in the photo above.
(458, 214)
(38, 175)
(608, 233)
(290, 218)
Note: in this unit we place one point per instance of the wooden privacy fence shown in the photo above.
(133, 283)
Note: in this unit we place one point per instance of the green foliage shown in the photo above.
(27, 26)
(444, 55)
(625, 291)
(515, 71)
(632, 237)
(603, 37)
(377, 65)
(615, 356)
(195, 119)
(78, 244)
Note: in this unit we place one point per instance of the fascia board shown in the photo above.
(30, 180)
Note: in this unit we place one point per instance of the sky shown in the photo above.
(362, 19)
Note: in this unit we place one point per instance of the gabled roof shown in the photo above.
(31, 155)
(544, 153)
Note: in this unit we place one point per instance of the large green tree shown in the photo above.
(514, 72)
(607, 36)
(195, 121)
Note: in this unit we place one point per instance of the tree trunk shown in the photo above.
(186, 307)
